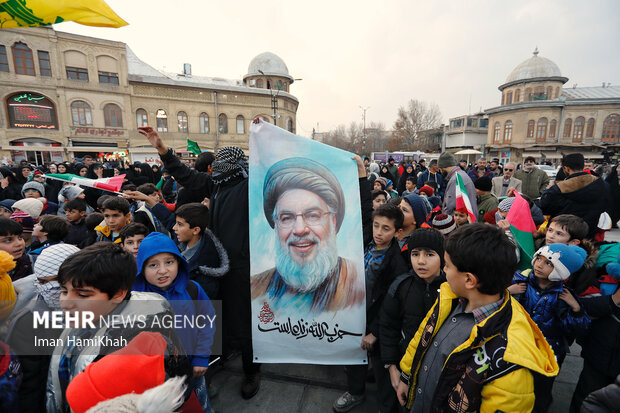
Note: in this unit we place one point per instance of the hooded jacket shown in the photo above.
(196, 341)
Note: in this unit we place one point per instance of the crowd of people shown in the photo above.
(453, 321)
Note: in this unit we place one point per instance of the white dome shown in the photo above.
(269, 64)
(534, 67)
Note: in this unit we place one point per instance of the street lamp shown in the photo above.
(364, 118)
(274, 99)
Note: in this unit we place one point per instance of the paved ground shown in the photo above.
(312, 388)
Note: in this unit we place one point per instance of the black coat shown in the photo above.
(605, 400)
(614, 194)
(601, 346)
(366, 204)
(581, 194)
(198, 184)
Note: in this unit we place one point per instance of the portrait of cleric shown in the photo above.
(304, 204)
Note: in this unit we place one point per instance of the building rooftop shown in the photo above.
(269, 64)
(534, 67)
(609, 92)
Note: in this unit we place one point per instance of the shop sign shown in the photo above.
(97, 131)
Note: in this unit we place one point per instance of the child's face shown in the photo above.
(131, 244)
(460, 218)
(556, 234)
(426, 263)
(183, 231)
(73, 215)
(13, 244)
(383, 231)
(115, 219)
(88, 298)
(455, 278)
(32, 193)
(542, 267)
(378, 201)
(409, 220)
(161, 269)
(38, 231)
(377, 186)
(409, 185)
(5, 213)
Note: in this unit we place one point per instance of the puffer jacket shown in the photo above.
(514, 348)
(605, 400)
(553, 316)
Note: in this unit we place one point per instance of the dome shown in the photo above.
(269, 64)
(534, 67)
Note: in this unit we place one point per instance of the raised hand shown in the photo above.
(154, 139)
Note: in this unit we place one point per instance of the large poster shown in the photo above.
(307, 265)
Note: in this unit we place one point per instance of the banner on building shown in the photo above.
(306, 251)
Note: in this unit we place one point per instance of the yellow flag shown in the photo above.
(30, 13)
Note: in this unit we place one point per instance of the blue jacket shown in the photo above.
(196, 341)
(473, 173)
(438, 177)
(553, 316)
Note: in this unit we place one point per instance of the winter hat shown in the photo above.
(25, 220)
(69, 193)
(446, 159)
(427, 190)
(374, 167)
(7, 292)
(382, 181)
(135, 368)
(7, 204)
(427, 238)
(388, 183)
(506, 203)
(31, 206)
(483, 183)
(47, 265)
(34, 185)
(444, 223)
(566, 259)
(420, 206)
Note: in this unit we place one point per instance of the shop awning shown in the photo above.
(92, 149)
(532, 154)
(593, 155)
(33, 148)
(552, 155)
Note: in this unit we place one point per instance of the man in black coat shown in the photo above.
(580, 194)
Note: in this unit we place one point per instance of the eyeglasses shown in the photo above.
(312, 218)
(506, 169)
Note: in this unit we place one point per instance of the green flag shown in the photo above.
(160, 184)
(193, 147)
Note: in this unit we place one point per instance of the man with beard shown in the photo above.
(534, 180)
(304, 203)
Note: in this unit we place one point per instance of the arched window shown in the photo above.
(182, 121)
(240, 125)
(508, 131)
(204, 123)
(162, 121)
(22, 57)
(611, 128)
(259, 83)
(568, 123)
(578, 129)
(552, 127)
(222, 123)
(549, 93)
(509, 98)
(496, 132)
(557, 92)
(517, 95)
(590, 128)
(530, 129)
(527, 96)
(541, 130)
(112, 116)
(142, 118)
(289, 125)
(80, 113)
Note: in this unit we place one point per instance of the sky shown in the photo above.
(377, 54)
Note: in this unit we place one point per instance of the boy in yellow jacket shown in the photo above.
(477, 349)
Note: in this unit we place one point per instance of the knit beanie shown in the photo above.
(427, 238)
(23, 219)
(7, 204)
(427, 190)
(7, 292)
(31, 206)
(446, 159)
(69, 193)
(506, 203)
(382, 181)
(483, 183)
(135, 368)
(34, 185)
(444, 223)
(566, 259)
(421, 208)
(388, 183)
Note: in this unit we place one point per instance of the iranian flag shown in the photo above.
(463, 204)
(107, 184)
(522, 229)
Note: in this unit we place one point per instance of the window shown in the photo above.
(567, 125)
(45, 68)
(4, 61)
(259, 83)
(289, 125)
(552, 127)
(539, 93)
(162, 121)
(80, 113)
(590, 128)
(142, 118)
(611, 128)
(457, 123)
(182, 121)
(578, 129)
(22, 57)
(222, 123)
(77, 73)
(112, 116)
(484, 123)
(549, 93)
(509, 98)
(517, 95)
(108, 77)
(541, 130)
(240, 125)
(496, 132)
(530, 129)
(204, 123)
(508, 131)
(528, 95)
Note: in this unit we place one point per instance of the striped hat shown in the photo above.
(444, 223)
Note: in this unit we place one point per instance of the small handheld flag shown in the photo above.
(107, 184)
(193, 147)
(522, 228)
(463, 204)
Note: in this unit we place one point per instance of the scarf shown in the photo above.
(230, 163)
(49, 292)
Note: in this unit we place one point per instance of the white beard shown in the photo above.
(308, 276)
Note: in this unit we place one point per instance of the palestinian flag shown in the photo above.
(463, 204)
(107, 184)
(522, 229)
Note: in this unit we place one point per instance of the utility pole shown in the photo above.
(364, 136)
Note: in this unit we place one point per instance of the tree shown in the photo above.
(411, 120)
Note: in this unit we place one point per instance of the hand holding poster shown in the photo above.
(306, 252)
